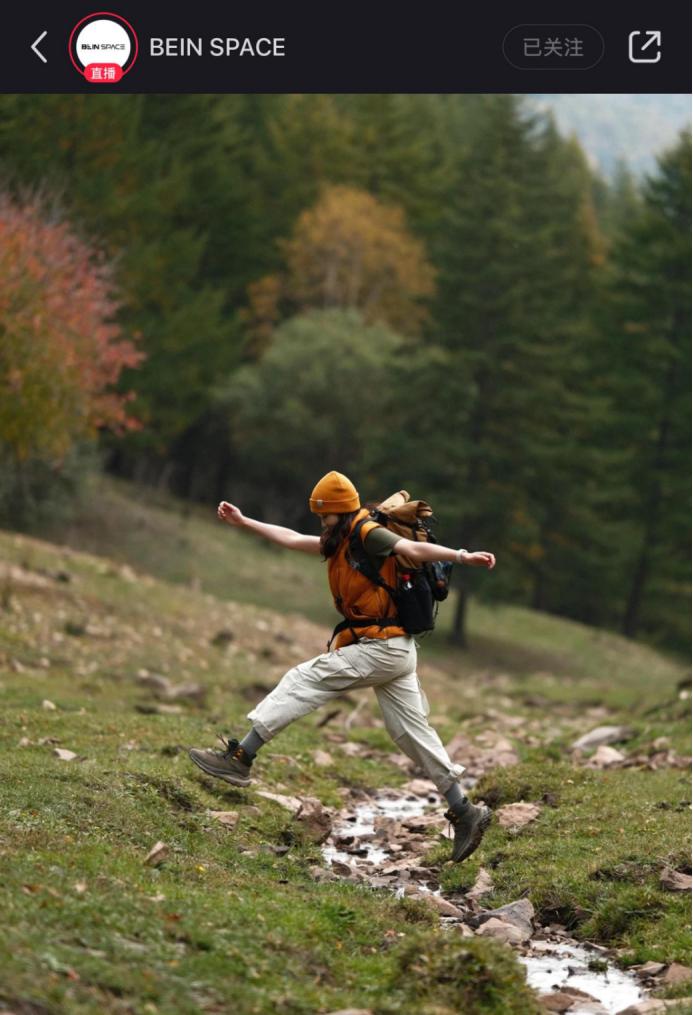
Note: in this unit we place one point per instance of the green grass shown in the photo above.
(225, 924)
(592, 859)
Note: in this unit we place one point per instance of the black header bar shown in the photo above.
(357, 47)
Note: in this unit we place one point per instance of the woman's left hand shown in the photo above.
(480, 558)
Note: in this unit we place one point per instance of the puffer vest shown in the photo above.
(358, 598)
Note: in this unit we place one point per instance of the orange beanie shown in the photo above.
(334, 494)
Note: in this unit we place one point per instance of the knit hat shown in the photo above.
(334, 494)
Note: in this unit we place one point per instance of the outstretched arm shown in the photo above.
(232, 515)
(421, 552)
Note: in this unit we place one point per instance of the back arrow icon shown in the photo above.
(35, 44)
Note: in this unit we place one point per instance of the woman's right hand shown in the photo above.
(230, 513)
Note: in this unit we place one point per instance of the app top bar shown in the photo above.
(377, 47)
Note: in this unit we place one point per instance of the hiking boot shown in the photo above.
(470, 825)
(232, 764)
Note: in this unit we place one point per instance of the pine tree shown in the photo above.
(647, 363)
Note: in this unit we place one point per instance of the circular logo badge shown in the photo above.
(103, 47)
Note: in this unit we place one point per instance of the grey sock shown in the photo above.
(252, 742)
(456, 799)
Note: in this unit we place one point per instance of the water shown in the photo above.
(550, 965)
(565, 964)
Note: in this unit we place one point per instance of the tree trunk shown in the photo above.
(631, 618)
(458, 634)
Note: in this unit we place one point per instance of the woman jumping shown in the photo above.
(382, 656)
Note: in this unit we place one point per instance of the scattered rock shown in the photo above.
(352, 1011)
(227, 818)
(519, 913)
(289, 803)
(421, 787)
(558, 1001)
(344, 870)
(323, 874)
(268, 847)
(517, 815)
(159, 709)
(502, 931)
(675, 881)
(481, 886)
(48, 706)
(653, 1006)
(676, 973)
(441, 905)
(352, 749)
(582, 995)
(24, 742)
(602, 735)
(422, 822)
(157, 854)
(649, 969)
(605, 757)
(163, 688)
(153, 681)
(478, 760)
(187, 692)
(315, 819)
(322, 758)
(63, 754)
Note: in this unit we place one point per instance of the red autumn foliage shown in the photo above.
(60, 351)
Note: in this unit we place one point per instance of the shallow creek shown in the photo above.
(377, 841)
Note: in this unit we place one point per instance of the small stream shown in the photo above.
(363, 841)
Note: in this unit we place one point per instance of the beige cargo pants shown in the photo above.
(386, 664)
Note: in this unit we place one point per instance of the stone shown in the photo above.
(227, 818)
(421, 787)
(605, 757)
(675, 881)
(352, 749)
(517, 815)
(648, 969)
(676, 973)
(322, 758)
(48, 706)
(558, 1001)
(157, 854)
(289, 803)
(502, 931)
(581, 994)
(602, 735)
(315, 819)
(322, 874)
(422, 822)
(344, 870)
(482, 886)
(352, 1011)
(63, 754)
(519, 913)
(441, 905)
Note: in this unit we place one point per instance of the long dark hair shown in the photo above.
(330, 539)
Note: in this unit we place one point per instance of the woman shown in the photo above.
(380, 655)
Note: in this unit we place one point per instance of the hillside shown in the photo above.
(123, 670)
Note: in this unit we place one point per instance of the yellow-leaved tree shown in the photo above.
(347, 250)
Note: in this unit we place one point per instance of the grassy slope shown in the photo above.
(93, 929)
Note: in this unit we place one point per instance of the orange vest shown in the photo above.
(355, 596)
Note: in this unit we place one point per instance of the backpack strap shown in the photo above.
(360, 562)
(349, 625)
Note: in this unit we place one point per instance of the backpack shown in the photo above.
(419, 587)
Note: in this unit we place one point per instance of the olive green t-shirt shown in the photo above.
(378, 545)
